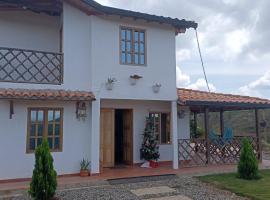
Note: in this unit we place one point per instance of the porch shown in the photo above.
(218, 125)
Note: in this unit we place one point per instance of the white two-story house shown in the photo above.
(85, 76)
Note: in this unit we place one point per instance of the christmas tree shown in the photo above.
(149, 150)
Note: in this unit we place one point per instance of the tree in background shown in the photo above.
(44, 183)
(248, 164)
(149, 149)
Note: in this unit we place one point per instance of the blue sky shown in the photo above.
(234, 37)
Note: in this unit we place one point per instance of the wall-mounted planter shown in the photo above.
(110, 83)
(134, 78)
(156, 87)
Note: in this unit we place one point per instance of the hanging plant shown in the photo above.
(156, 87)
(134, 78)
(110, 83)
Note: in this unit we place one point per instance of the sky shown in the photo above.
(234, 36)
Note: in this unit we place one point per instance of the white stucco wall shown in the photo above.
(184, 124)
(15, 163)
(141, 110)
(28, 30)
(160, 68)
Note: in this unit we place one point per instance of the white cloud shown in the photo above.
(182, 79)
(183, 54)
(257, 87)
(200, 84)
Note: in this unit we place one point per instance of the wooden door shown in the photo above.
(107, 137)
(128, 137)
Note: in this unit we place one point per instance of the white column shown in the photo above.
(174, 134)
(95, 136)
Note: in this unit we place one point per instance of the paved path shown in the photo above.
(172, 188)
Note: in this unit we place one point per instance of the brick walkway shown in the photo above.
(134, 171)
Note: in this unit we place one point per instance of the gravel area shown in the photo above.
(183, 185)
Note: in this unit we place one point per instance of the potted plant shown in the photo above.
(84, 168)
(110, 82)
(133, 79)
(156, 87)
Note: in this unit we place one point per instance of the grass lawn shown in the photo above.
(254, 189)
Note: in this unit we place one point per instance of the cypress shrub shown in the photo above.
(248, 164)
(44, 183)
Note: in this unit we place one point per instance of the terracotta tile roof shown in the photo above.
(188, 96)
(46, 94)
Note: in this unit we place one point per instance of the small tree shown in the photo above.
(149, 150)
(44, 183)
(248, 164)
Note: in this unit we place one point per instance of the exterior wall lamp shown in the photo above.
(81, 110)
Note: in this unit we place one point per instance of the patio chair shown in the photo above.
(228, 135)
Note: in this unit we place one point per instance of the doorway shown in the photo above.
(116, 137)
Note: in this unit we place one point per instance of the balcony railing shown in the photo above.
(30, 66)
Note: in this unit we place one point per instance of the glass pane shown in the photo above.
(50, 129)
(57, 116)
(50, 141)
(33, 115)
(32, 129)
(40, 129)
(57, 129)
(129, 58)
(141, 48)
(128, 46)
(123, 34)
(142, 36)
(40, 116)
(142, 59)
(136, 47)
(123, 58)
(128, 35)
(39, 141)
(50, 115)
(32, 144)
(57, 143)
(136, 59)
(136, 36)
(123, 46)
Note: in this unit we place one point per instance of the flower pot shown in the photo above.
(133, 81)
(84, 173)
(156, 88)
(109, 86)
(153, 164)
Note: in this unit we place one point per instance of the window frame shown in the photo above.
(133, 30)
(45, 126)
(168, 114)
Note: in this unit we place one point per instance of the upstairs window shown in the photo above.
(132, 46)
(45, 123)
(162, 127)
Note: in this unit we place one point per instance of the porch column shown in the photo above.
(221, 123)
(174, 134)
(95, 132)
(206, 124)
(258, 135)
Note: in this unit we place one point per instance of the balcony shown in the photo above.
(30, 66)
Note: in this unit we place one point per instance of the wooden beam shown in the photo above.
(206, 126)
(221, 122)
(195, 124)
(258, 135)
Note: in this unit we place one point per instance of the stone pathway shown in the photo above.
(173, 188)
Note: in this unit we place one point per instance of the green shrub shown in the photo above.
(44, 183)
(248, 164)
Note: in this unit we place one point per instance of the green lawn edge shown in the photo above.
(253, 189)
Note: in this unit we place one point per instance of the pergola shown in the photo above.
(217, 150)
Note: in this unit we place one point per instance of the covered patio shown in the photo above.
(218, 125)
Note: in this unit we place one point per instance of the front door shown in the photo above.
(107, 137)
(128, 137)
